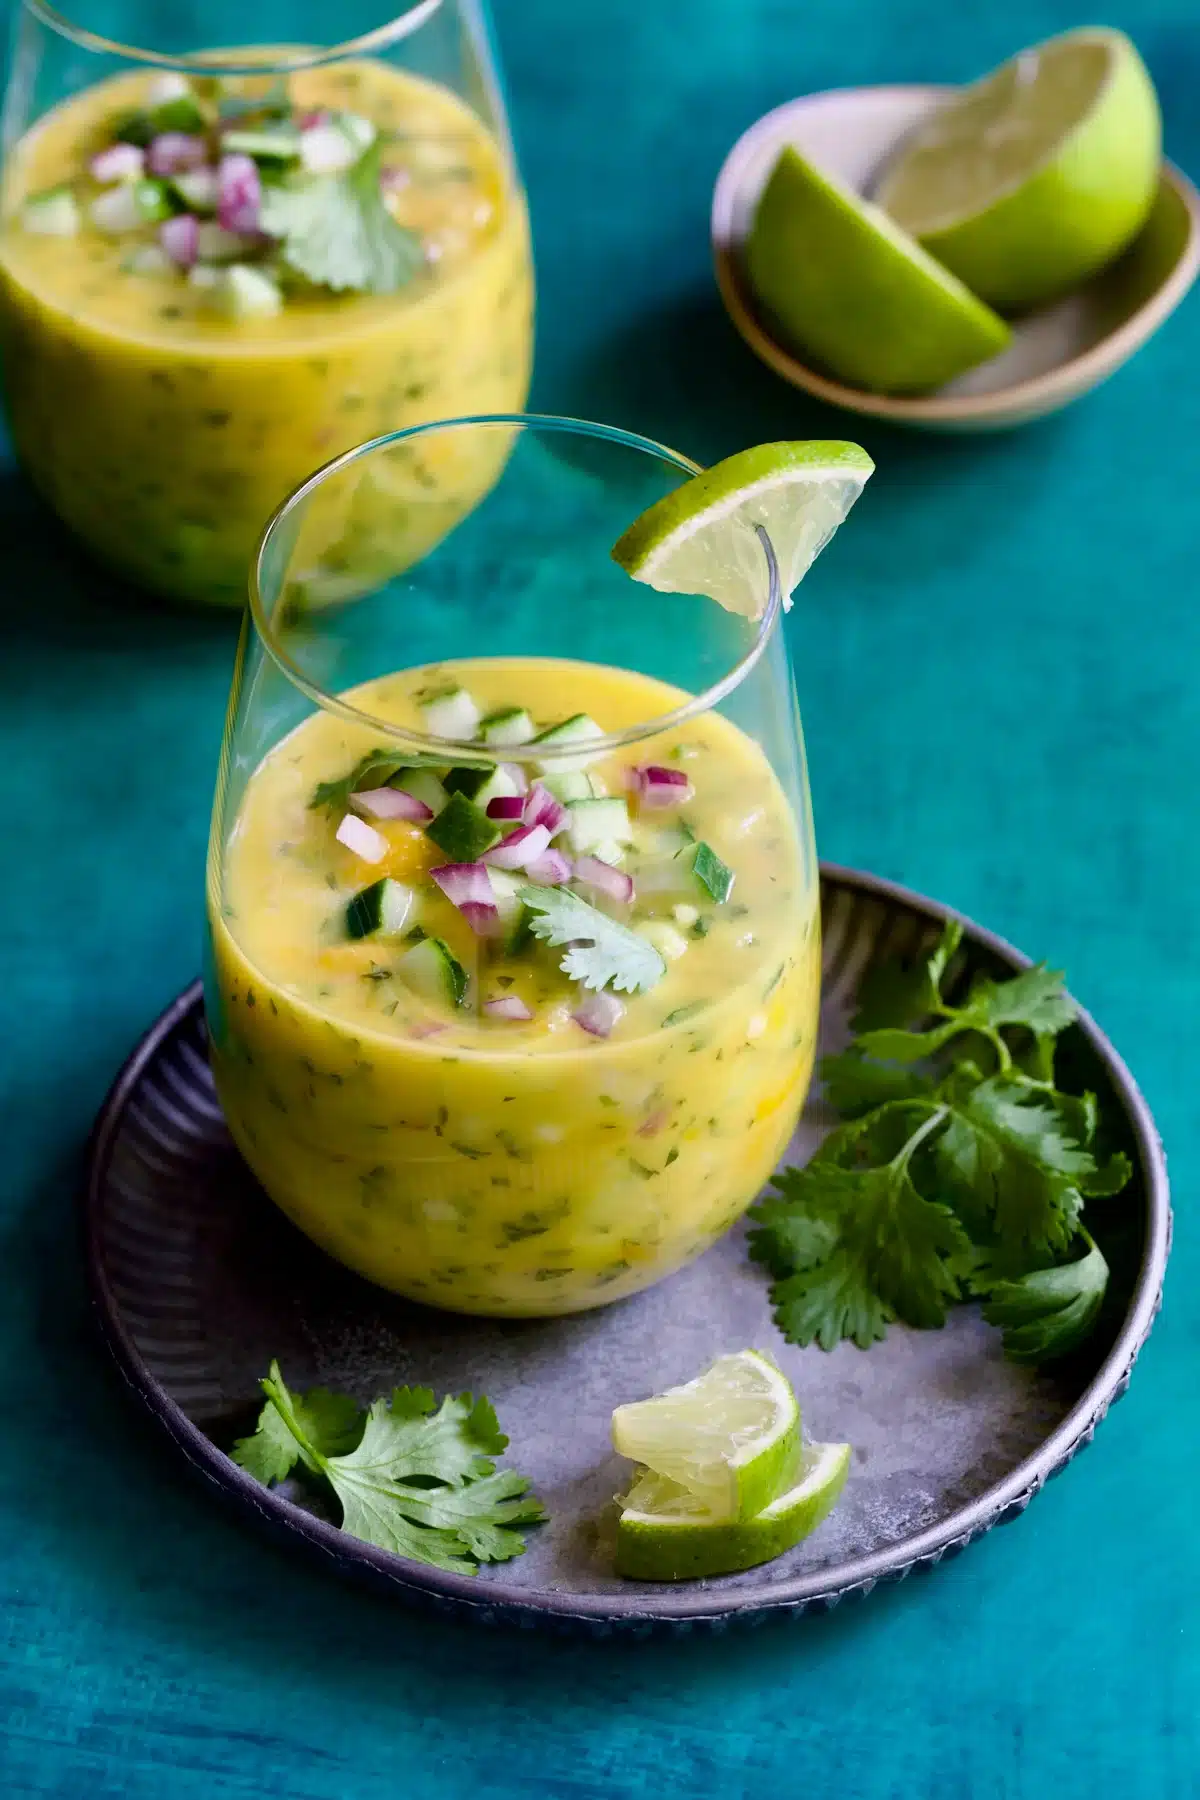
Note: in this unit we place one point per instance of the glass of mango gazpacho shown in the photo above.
(219, 269)
(513, 955)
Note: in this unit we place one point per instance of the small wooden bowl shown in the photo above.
(1056, 355)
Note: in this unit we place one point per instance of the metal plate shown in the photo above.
(198, 1282)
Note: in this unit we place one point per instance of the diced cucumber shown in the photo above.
(197, 188)
(129, 206)
(573, 784)
(578, 729)
(430, 968)
(148, 259)
(481, 785)
(205, 277)
(383, 907)
(511, 725)
(663, 840)
(281, 145)
(245, 293)
(591, 823)
(216, 245)
(463, 830)
(667, 940)
(52, 213)
(423, 785)
(514, 914)
(713, 876)
(170, 85)
(181, 114)
(452, 713)
(685, 915)
(610, 851)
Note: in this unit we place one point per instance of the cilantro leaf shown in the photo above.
(600, 950)
(864, 1247)
(1011, 1150)
(1035, 998)
(856, 1084)
(376, 769)
(296, 1428)
(337, 232)
(1048, 1313)
(412, 1477)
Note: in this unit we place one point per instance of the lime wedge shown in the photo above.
(844, 285)
(666, 1534)
(700, 538)
(1034, 177)
(731, 1437)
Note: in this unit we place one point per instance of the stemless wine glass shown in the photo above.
(412, 1077)
(163, 401)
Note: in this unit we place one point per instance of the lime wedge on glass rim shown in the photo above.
(700, 538)
(1028, 181)
(731, 1437)
(666, 1534)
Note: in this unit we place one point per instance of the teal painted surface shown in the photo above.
(998, 669)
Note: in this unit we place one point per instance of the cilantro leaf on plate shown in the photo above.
(1049, 1312)
(599, 950)
(296, 1428)
(411, 1477)
(337, 232)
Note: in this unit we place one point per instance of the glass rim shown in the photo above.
(428, 745)
(233, 62)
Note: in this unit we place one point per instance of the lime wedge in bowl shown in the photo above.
(844, 285)
(666, 1534)
(699, 539)
(731, 1437)
(1030, 180)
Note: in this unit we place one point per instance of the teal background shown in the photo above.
(997, 664)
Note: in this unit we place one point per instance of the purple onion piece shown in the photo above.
(239, 193)
(120, 162)
(390, 803)
(506, 806)
(180, 238)
(658, 787)
(551, 869)
(541, 808)
(516, 775)
(614, 883)
(519, 848)
(466, 885)
(598, 1013)
(510, 1006)
(171, 152)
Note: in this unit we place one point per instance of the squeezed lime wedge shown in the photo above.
(666, 1534)
(730, 1438)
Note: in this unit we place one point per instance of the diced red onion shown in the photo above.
(391, 803)
(541, 808)
(171, 152)
(519, 848)
(658, 787)
(308, 121)
(516, 775)
(120, 162)
(598, 1013)
(510, 1006)
(362, 838)
(427, 1028)
(466, 885)
(614, 883)
(239, 193)
(506, 806)
(392, 178)
(180, 238)
(654, 1124)
(551, 869)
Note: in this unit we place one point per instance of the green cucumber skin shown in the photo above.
(462, 830)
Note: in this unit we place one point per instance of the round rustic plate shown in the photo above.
(198, 1282)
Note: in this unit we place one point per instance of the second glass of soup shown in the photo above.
(514, 957)
(220, 268)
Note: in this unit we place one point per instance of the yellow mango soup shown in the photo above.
(518, 1166)
(165, 434)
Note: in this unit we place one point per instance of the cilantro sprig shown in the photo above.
(411, 1477)
(599, 950)
(336, 230)
(959, 1170)
(377, 767)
